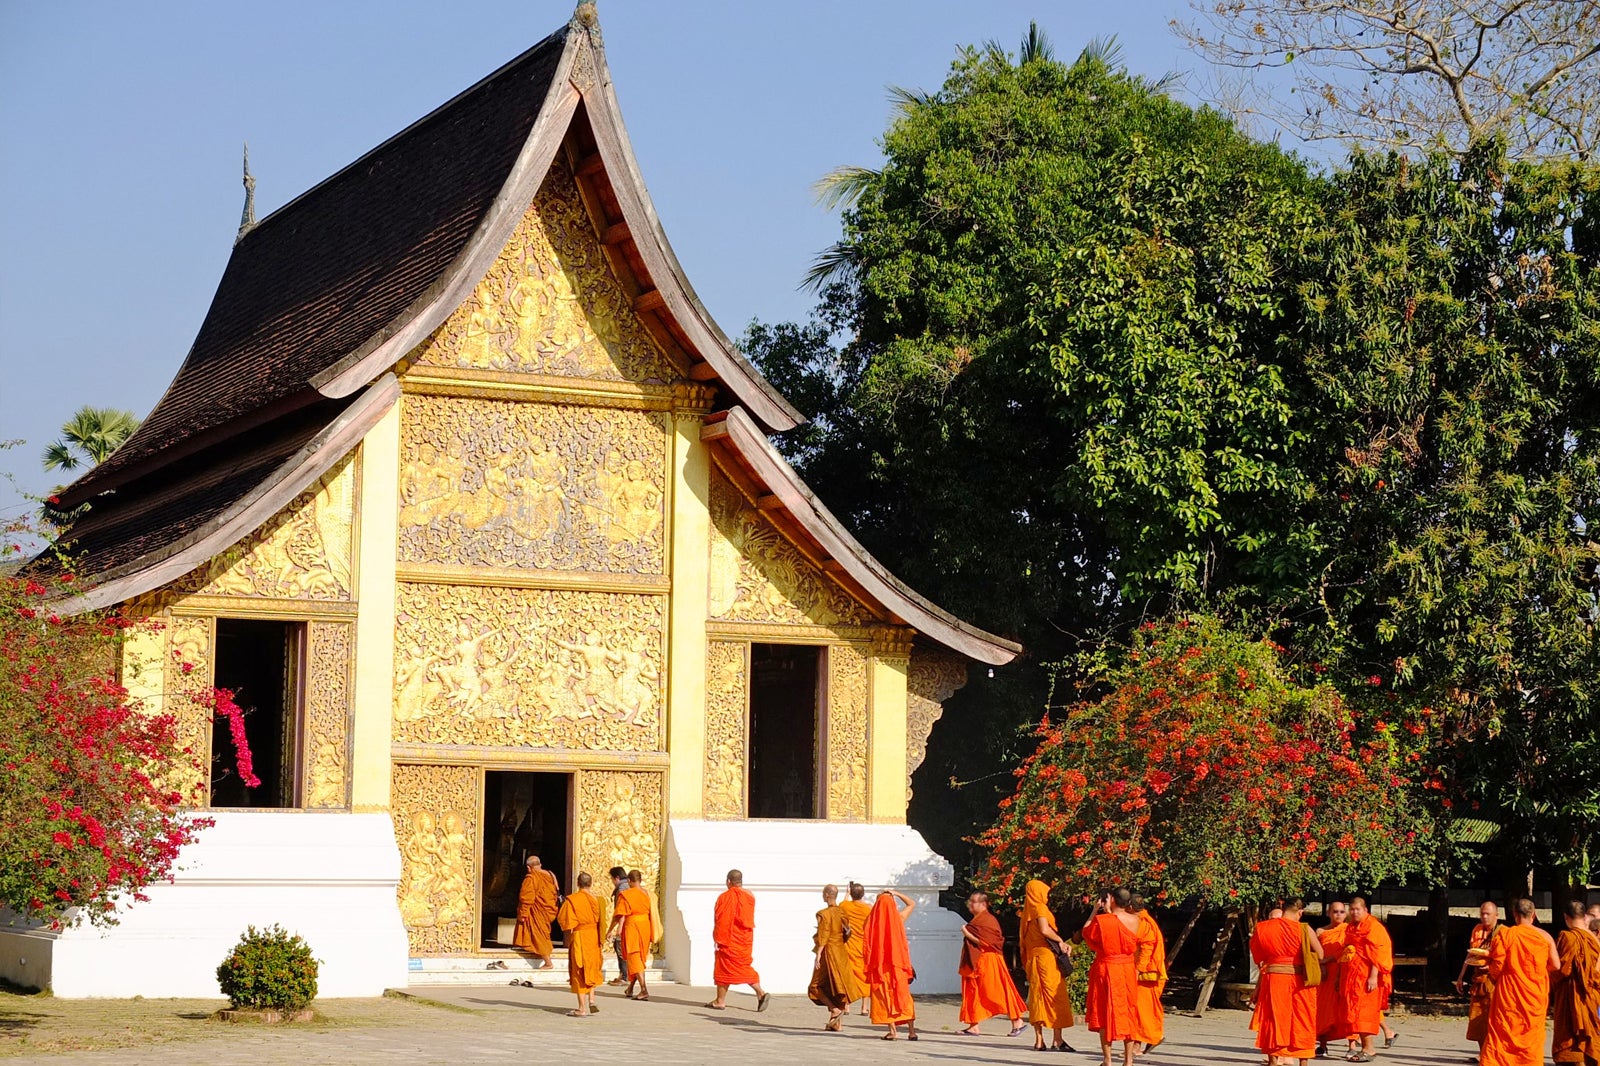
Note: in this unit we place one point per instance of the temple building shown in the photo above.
(465, 495)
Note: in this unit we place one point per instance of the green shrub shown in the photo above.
(269, 969)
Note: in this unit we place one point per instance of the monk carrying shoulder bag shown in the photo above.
(1310, 966)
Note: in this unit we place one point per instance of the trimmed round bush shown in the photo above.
(269, 969)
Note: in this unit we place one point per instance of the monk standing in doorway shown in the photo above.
(1479, 986)
(855, 911)
(536, 909)
(580, 917)
(986, 986)
(1049, 1005)
(888, 962)
(1520, 963)
(1575, 992)
(733, 931)
(1112, 932)
(635, 920)
(1365, 975)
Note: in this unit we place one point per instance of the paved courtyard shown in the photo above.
(472, 1025)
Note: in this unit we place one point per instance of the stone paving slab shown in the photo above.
(503, 1025)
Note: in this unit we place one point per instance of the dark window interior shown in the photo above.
(783, 730)
(259, 663)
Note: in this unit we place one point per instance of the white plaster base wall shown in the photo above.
(330, 877)
(785, 864)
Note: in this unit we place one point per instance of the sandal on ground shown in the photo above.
(911, 1036)
(527, 984)
(643, 997)
(1359, 1056)
(887, 1036)
(1389, 1042)
(1018, 1030)
(576, 1014)
(1064, 1046)
(515, 982)
(761, 1001)
(594, 1008)
(714, 1005)
(968, 1032)
(834, 1025)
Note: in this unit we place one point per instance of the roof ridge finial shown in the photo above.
(586, 15)
(247, 220)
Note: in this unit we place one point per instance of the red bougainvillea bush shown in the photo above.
(1209, 774)
(88, 816)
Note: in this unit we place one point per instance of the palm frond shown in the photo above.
(1035, 45)
(59, 456)
(907, 101)
(1106, 51)
(843, 186)
(837, 262)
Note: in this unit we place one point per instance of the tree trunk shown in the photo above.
(1183, 936)
(1224, 937)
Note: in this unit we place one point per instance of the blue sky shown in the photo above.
(121, 125)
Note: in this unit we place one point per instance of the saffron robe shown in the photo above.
(734, 933)
(1113, 979)
(1150, 963)
(1480, 986)
(1286, 1006)
(1367, 947)
(581, 916)
(986, 985)
(855, 915)
(887, 957)
(1575, 997)
(1049, 1006)
(832, 982)
(633, 907)
(1519, 962)
(536, 909)
(1331, 1023)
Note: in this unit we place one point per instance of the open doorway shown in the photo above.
(523, 814)
(259, 662)
(784, 697)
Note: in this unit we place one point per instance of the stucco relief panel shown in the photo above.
(727, 706)
(528, 667)
(540, 486)
(327, 715)
(435, 812)
(304, 552)
(757, 575)
(188, 672)
(933, 678)
(550, 303)
(847, 733)
(620, 812)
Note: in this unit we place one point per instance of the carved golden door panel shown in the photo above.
(436, 816)
(326, 776)
(190, 648)
(727, 727)
(847, 733)
(620, 823)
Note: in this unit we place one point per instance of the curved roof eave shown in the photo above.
(739, 432)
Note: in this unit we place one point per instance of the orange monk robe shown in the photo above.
(1575, 997)
(1049, 1006)
(1113, 979)
(831, 980)
(1149, 1021)
(887, 958)
(1331, 1022)
(734, 933)
(1367, 947)
(1519, 964)
(1480, 986)
(536, 909)
(581, 917)
(1288, 1007)
(633, 907)
(855, 913)
(986, 986)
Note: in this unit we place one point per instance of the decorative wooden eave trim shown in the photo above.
(297, 473)
(736, 432)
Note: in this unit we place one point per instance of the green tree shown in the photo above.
(89, 437)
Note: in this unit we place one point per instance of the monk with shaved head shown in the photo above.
(1520, 963)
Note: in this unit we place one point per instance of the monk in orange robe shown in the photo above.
(986, 985)
(536, 909)
(1287, 1029)
(1331, 1024)
(1521, 960)
(1478, 986)
(636, 920)
(733, 931)
(1366, 967)
(888, 962)
(832, 982)
(580, 918)
(1112, 931)
(855, 910)
(1149, 1020)
(1049, 1006)
(1575, 991)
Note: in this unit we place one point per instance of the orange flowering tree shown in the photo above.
(1208, 773)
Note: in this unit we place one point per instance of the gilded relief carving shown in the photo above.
(620, 812)
(303, 553)
(847, 733)
(727, 699)
(187, 675)
(757, 575)
(542, 486)
(435, 812)
(933, 678)
(550, 303)
(528, 667)
(327, 714)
